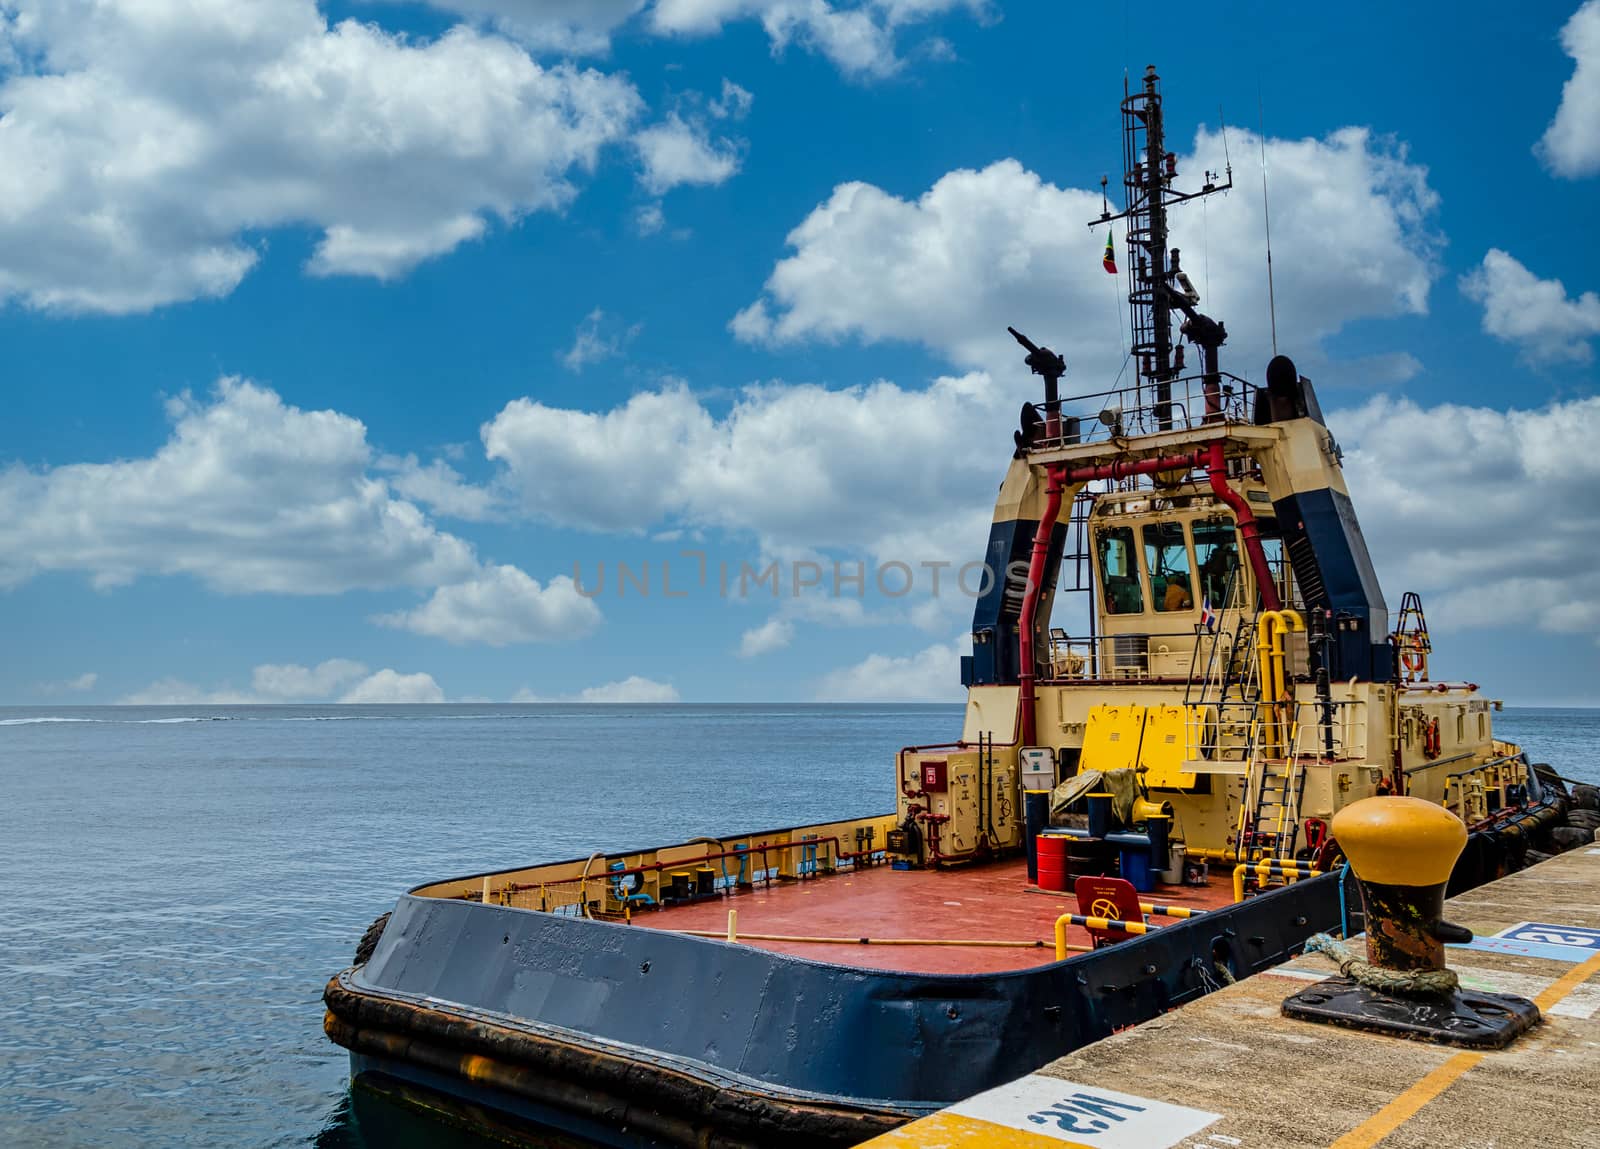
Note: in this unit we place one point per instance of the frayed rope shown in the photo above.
(1412, 983)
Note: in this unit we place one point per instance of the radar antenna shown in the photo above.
(1156, 282)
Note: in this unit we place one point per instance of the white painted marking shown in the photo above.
(1592, 851)
(1582, 1002)
(1086, 1114)
(1300, 974)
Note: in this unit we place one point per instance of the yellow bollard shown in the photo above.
(1402, 851)
(486, 891)
(733, 925)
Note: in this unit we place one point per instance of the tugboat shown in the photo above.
(1241, 681)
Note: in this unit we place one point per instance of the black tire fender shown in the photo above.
(369, 940)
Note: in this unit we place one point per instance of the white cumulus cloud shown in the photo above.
(390, 687)
(248, 494)
(859, 38)
(598, 337)
(336, 679)
(79, 685)
(148, 145)
(633, 689)
(1570, 146)
(1492, 514)
(500, 606)
(984, 249)
(575, 27)
(1535, 314)
(774, 634)
(932, 674)
(906, 473)
(290, 682)
(679, 151)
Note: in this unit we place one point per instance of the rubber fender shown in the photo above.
(369, 940)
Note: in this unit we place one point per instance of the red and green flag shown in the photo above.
(1109, 259)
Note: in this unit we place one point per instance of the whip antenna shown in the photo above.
(1266, 213)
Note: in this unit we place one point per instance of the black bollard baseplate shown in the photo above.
(1465, 1018)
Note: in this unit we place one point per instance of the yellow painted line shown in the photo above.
(1395, 1114)
(948, 1130)
(1403, 1108)
(1567, 982)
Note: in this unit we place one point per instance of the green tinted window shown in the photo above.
(1166, 556)
(1119, 571)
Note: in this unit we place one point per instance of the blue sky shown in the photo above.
(337, 334)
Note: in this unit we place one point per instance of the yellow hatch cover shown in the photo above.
(1111, 737)
(1150, 737)
(1162, 751)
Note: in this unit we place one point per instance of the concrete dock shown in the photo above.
(1230, 1072)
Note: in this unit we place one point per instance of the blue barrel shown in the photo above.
(1035, 816)
(1136, 868)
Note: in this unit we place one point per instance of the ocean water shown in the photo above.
(179, 883)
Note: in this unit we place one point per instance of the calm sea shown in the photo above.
(180, 882)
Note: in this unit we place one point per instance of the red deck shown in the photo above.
(990, 902)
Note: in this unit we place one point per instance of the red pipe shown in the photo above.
(1030, 600)
(1214, 462)
(1216, 471)
(1125, 468)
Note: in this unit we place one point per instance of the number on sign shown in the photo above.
(1547, 933)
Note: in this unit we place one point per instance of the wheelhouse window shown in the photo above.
(1119, 571)
(1216, 555)
(1166, 557)
(1272, 549)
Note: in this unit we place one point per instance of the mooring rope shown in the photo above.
(1416, 982)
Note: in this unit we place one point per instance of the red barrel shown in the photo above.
(1052, 862)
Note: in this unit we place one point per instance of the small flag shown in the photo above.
(1109, 259)
(1208, 617)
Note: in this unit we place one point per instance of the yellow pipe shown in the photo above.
(1271, 626)
(1291, 871)
(1094, 924)
(1144, 907)
(1170, 911)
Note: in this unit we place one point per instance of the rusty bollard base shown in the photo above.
(1464, 1018)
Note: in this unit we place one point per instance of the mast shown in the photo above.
(1156, 283)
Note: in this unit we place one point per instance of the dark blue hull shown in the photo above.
(637, 1037)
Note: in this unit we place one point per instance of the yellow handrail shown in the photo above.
(1065, 920)
(1271, 626)
(1290, 870)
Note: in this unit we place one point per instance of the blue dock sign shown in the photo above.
(1544, 933)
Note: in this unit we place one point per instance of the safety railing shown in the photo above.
(1091, 922)
(1268, 870)
(1475, 793)
(1167, 656)
(1195, 401)
(1334, 731)
(619, 883)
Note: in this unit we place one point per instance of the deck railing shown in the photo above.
(1197, 401)
(641, 878)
